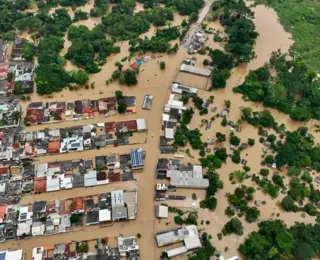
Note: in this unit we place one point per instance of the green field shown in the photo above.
(302, 19)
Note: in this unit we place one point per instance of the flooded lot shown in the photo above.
(156, 82)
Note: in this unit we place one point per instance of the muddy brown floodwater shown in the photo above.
(157, 82)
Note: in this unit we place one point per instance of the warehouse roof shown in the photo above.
(195, 70)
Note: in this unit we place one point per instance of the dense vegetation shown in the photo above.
(299, 150)
(86, 45)
(274, 240)
(302, 21)
(9, 15)
(215, 184)
(294, 90)
(158, 43)
(237, 19)
(50, 73)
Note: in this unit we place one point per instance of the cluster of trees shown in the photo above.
(100, 8)
(241, 31)
(191, 219)
(222, 63)
(263, 118)
(184, 7)
(266, 185)
(187, 116)
(295, 90)
(73, 3)
(80, 15)
(28, 50)
(298, 150)
(22, 88)
(205, 252)
(44, 23)
(125, 26)
(9, 14)
(158, 43)
(274, 240)
(298, 192)
(239, 201)
(86, 45)
(215, 184)
(50, 73)
(183, 135)
(233, 226)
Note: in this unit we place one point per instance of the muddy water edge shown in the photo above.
(156, 82)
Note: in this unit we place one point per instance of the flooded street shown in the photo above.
(156, 82)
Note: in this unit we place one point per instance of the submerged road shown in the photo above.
(197, 25)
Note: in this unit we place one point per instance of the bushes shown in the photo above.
(252, 214)
(130, 77)
(236, 158)
(234, 225)
(251, 142)
(162, 65)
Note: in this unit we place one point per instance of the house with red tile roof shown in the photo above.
(40, 185)
(77, 205)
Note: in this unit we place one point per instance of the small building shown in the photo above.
(77, 206)
(161, 211)
(147, 102)
(141, 125)
(169, 133)
(12, 255)
(104, 215)
(92, 217)
(137, 160)
(90, 179)
(195, 70)
(127, 245)
(183, 89)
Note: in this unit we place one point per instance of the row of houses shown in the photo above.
(12, 254)
(47, 177)
(48, 112)
(58, 216)
(90, 250)
(172, 111)
(16, 78)
(15, 145)
(9, 114)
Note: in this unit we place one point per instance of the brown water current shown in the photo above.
(152, 80)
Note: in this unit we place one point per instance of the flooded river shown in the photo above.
(152, 80)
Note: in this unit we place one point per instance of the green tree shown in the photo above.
(122, 106)
(251, 142)
(162, 65)
(252, 213)
(234, 225)
(130, 77)
(285, 240)
(236, 158)
(28, 50)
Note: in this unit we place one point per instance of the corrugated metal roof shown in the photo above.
(136, 158)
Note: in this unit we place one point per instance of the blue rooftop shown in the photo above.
(136, 158)
(3, 256)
